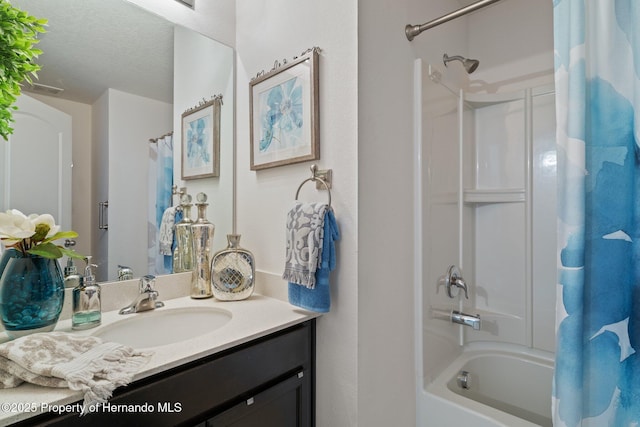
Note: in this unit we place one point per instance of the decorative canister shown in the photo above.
(232, 271)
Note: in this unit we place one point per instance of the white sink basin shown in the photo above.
(163, 326)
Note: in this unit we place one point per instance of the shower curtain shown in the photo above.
(160, 194)
(597, 68)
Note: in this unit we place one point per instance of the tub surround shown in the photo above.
(253, 318)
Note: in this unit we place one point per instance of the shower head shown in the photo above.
(469, 64)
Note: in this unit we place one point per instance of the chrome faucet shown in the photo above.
(466, 319)
(148, 298)
(453, 279)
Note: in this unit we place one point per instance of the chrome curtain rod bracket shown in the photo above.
(411, 31)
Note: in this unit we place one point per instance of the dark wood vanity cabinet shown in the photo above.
(268, 382)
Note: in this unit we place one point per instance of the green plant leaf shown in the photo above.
(71, 253)
(18, 36)
(61, 235)
(46, 250)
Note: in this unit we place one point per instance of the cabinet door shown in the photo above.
(282, 405)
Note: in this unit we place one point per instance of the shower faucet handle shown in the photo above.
(452, 279)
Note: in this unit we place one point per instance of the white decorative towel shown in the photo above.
(65, 360)
(305, 229)
(165, 235)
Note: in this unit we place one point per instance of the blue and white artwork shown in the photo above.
(198, 135)
(281, 116)
(597, 75)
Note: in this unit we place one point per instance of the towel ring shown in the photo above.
(315, 178)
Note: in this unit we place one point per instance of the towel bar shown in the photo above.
(316, 178)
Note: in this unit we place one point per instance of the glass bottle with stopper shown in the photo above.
(183, 257)
(202, 232)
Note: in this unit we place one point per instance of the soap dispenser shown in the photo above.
(202, 231)
(87, 311)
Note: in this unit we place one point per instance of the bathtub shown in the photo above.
(508, 386)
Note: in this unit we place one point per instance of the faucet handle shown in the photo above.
(461, 284)
(453, 278)
(147, 283)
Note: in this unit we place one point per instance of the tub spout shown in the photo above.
(466, 319)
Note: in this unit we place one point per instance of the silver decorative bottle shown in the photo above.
(183, 257)
(202, 232)
(232, 271)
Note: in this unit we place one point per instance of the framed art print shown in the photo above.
(284, 114)
(201, 141)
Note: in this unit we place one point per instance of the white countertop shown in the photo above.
(252, 318)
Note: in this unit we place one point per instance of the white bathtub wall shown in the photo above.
(500, 278)
(504, 242)
(440, 211)
(515, 233)
(544, 226)
(447, 222)
(497, 39)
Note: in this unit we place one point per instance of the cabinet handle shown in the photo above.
(250, 401)
(103, 215)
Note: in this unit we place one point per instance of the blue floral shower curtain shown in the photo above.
(597, 69)
(160, 198)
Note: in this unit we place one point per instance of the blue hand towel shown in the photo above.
(318, 299)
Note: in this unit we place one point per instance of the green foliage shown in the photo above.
(18, 37)
(45, 248)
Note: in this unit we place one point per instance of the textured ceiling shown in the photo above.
(92, 45)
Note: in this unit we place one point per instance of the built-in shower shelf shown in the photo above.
(478, 100)
(494, 195)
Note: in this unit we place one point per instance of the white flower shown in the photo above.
(14, 225)
(45, 219)
(34, 234)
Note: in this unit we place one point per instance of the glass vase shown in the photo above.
(31, 293)
(232, 271)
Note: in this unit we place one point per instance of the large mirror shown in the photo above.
(123, 76)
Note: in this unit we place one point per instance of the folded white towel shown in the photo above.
(305, 230)
(65, 360)
(165, 235)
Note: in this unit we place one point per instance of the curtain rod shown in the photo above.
(154, 140)
(413, 30)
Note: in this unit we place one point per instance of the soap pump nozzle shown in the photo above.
(89, 277)
(70, 268)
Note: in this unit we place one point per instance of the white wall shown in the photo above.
(81, 155)
(275, 30)
(132, 120)
(203, 68)
(514, 42)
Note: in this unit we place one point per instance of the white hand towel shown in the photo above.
(61, 359)
(165, 235)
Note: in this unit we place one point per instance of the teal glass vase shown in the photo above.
(31, 293)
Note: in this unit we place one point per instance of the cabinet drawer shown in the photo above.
(282, 405)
